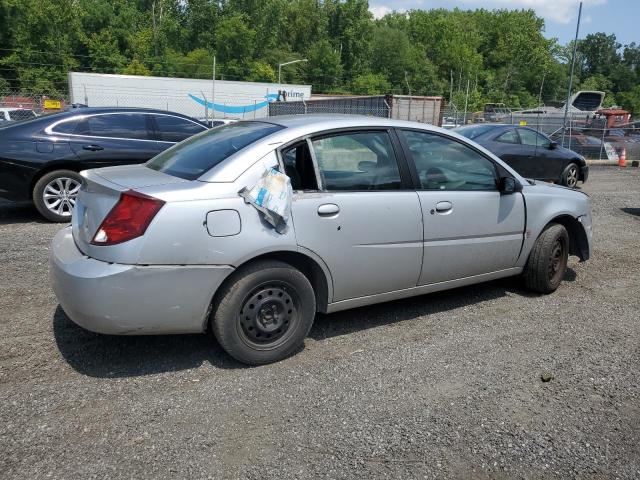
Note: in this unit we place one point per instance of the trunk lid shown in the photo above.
(101, 189)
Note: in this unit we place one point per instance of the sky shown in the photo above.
(620, 17)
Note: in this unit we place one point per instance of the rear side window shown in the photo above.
(199, 154)
(176, 129)
(510, 136)
(357, 161)
(115, 125)
(66, 127)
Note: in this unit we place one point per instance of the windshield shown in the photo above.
(473, 131)
(197, 155)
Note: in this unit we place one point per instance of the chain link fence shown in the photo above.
(608, 136)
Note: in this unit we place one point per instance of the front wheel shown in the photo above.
(54, 195)
(547, 262)
(570, 176)
(264, 312)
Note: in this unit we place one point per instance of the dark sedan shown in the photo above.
(40, 159)
(530, 153)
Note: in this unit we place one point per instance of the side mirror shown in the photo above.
(553, 145)
(508, 185)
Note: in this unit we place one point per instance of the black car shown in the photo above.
(530, 153)
(40, 158)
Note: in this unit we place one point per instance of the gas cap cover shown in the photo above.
(223, 223)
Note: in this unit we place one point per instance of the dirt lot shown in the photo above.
(445, 385)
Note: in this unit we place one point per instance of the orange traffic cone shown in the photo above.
(622, 158)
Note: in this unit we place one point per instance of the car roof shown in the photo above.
(92, 110)
(328, 121)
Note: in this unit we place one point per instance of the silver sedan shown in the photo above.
(380, 210)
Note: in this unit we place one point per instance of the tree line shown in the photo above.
(474, 55)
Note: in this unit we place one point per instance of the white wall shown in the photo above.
(185, 95)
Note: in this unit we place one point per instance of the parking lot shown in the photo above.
(447, 384)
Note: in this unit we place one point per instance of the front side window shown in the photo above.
(543, 141)
(197, 155)
(528, 137)
(115, 125)
(445, 164)
(357, 161)
(176, 129)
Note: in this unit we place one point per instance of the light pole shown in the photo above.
(280, 65)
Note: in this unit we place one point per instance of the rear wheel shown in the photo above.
(264, 312)
(570, 176)
(54, 195)
(547, 262)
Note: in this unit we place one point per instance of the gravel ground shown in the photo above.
(444, 385)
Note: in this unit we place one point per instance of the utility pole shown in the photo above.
(213, 90)
(451, 89)
(541, 87)
(407, 82)
(466, 101)
(573, 64)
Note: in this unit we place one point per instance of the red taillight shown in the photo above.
(128, 219)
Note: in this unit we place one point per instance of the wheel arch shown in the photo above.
(578, 242)
(313, 268)
(52, 167)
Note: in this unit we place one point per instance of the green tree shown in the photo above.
(371, 84)
(136, 67)
(600, 53)
(261, 72)
(324, 69)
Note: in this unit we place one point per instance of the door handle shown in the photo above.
(443, 207)
(92, 148)
(328, 210)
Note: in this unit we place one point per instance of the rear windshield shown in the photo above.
(197, 155)
(473, 131)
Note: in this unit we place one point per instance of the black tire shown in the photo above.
(44, 196)
(264, 312)
(547, 262)
(570, 176)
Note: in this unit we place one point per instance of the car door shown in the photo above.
(355, 208)
(520, 153)
(469, 227)
(171, 129)
(549, 161)
(103, 139)
(530, 167)
(506, 145)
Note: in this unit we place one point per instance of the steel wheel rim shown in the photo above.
(557, 260)
(268, 315)
(60, 195)
(572, 177)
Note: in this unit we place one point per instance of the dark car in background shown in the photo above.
(531, 153)
(40, 158)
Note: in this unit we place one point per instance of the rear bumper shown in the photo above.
(122, 299)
